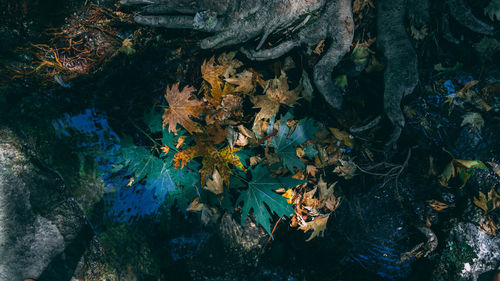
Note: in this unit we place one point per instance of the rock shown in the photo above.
(38, 224)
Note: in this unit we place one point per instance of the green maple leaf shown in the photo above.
(285, 144)
(153, 120)
(260, 193)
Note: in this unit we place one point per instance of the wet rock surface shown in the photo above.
(38, 223)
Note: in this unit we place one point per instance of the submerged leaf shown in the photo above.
(260, 193)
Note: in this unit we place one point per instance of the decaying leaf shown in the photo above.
(474, 120)
(488, 204)
(438, 205)
(245, 82)
(342, 136)
(489, 227)
(346, 169)
(215, 184)
(212, 159)
(463, 168)
(277, 93)
(318, 225)
(181, 107)
(196, 206)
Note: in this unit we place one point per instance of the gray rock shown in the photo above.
(37, 222)
(486, 248)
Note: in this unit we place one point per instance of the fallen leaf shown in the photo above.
(195, 206)
(343, 136)
(212, 159)
(489, 227)
(311, 170)
(474, 120)
(215, 184)
(181, 107)
(165, 149)
(346, 169)
(318, 225)
(437, 205)
(488, 204)
(245, 82)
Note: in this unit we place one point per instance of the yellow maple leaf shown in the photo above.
(318, 225)
(181, 108)
(212, 159)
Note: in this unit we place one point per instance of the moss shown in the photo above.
(452, 259)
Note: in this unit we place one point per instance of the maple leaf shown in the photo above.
(277, 93)
(488, 204)
(285, 145)
(260, 193)
(245, 82)
(318, 225)
(211, 72)
(346, 169)
(181, 109)
(212, 159)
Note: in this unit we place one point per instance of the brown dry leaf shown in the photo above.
(318, 50)
(215, 184)
(318, 225)
(311, 170)
(254, 160)
(333, 203)
(181, 109)
(245, 82)
(277, 93)
(230, 63)
(309, 200)
(346, 169)
(242, 140)
(196, 206)
(325, 190)
(489, 227)
(488, 204)
(212, 72)
(437, 205)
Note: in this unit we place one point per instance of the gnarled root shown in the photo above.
(401, 73)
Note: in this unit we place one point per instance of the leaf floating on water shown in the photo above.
(318, 225)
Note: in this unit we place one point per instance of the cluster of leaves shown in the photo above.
(213, 155)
